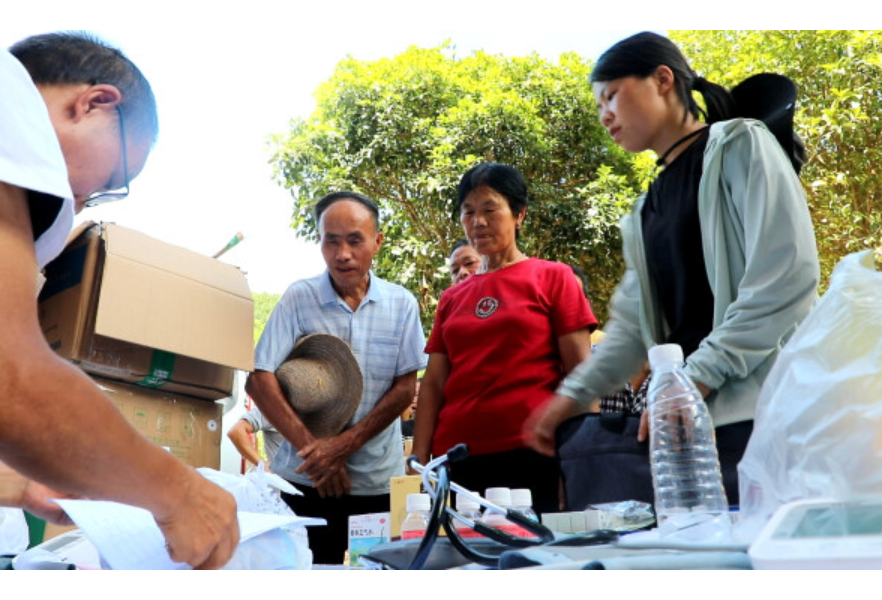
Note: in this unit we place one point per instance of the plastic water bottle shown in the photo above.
(500, 496)
(690, 502)
(469, 509)
(417, 519)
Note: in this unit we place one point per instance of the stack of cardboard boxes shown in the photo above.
(160, 329)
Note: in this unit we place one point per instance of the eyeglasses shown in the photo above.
(118, 194)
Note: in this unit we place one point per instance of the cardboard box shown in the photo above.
(365, 532)
(125, 306)
(189, 428)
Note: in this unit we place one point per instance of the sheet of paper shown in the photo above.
(127, 537)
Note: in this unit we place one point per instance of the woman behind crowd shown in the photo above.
(720, 252)
(501, 342)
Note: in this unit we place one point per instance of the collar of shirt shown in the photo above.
(327, 294)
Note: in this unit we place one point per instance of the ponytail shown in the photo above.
(719, 101)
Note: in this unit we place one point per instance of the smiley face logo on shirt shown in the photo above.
(486, 307)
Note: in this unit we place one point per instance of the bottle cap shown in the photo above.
(417, 502)
(464, 503)
(665, 353)
(500, 496)
(521, 497)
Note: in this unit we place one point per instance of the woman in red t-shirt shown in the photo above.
(501, 343)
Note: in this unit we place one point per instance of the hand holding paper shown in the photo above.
(127, 537)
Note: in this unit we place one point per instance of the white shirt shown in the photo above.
(30, 158)
(30, 155)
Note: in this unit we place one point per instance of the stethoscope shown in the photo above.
(436, 481)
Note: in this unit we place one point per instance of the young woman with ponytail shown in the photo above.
(720, 251)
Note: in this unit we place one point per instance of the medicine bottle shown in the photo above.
(469, 509)
(417, 519)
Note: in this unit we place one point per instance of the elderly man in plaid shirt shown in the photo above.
(348, 473)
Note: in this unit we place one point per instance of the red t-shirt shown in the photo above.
(500, 331)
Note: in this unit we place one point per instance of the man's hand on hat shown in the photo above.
(324, 456)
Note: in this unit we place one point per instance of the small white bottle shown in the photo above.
(417, 519)
(522, 501)
(500, 496)
(469, 509)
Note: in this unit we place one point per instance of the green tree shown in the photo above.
(838, 117)
(264, 303)
(404, 130)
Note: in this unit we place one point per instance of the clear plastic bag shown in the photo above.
(258, 492)
(283, 548)
(818, 427)
(628, 515)
(14, 534)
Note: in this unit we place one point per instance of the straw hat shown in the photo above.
(322, 381)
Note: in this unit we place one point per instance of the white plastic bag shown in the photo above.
(258, 492)
(14, 534)
(818, 427)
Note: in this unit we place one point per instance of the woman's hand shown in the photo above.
(541, 426)
(643, 430)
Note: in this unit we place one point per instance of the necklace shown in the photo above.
(661, 161)
(521, 258)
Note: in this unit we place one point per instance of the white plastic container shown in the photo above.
(500, 496)
(417, 519)
(469, 509)
(522, 501)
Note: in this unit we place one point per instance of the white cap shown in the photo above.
(521, 497)
(665, 353)
(499, 496)
(464, 503)
(417, 502)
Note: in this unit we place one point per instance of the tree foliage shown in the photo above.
(264, 303)
(839, 117)
(404, 130)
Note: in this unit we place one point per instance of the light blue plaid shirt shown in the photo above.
(386, 338)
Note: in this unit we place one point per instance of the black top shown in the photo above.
(44, 210)
(672, 237)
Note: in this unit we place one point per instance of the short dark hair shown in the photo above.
(67, 57)
(502, 179)
(322, 205)
(641, 54)
(459, 244)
